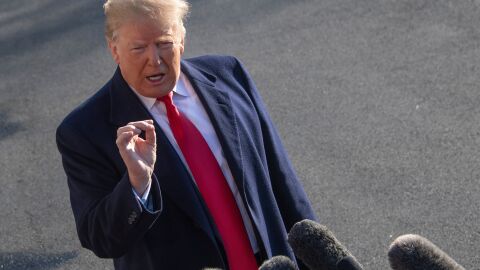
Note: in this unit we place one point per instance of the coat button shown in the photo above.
(132, 217)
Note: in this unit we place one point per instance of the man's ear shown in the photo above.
(113, 46)
(182, 46)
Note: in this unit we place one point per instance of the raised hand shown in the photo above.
(138, 154)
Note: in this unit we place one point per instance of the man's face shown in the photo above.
(148, 54)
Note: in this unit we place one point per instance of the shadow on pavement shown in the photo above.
(8, 128)
(24, 28)
(29, 260)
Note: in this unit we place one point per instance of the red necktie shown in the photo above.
(214, 188)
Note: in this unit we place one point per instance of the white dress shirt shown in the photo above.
(186, 100)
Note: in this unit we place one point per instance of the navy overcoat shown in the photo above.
(179, 233)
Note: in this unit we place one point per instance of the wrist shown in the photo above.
(140, 184)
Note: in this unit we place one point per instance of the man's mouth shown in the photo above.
(155, 77)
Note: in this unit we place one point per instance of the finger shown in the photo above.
(150, 136)
(143, 125)
(124, 138)
(128, 128)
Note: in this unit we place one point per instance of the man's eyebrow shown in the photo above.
(138, 41)
(167, 37)
(167, 32)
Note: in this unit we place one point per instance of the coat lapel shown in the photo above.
(219, 108)
(174, 179)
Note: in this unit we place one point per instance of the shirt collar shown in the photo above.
(178, 89)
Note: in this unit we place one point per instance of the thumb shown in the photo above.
(150, 136)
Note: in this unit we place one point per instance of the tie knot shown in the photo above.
(171, 108)
(167, 99)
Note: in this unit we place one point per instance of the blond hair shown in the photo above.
(117, 12)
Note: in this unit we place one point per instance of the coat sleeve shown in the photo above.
(108, 217)
(289, 193)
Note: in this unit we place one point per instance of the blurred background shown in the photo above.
(377, 102)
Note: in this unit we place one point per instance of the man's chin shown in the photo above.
(154, 92)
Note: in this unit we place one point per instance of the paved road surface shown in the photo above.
(377, 102)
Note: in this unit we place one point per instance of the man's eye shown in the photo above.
(138, 48)
(165, 45)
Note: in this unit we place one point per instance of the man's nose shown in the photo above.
(154, 56)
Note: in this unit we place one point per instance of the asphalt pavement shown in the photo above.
(377, 103)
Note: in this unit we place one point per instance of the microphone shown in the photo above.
(278, 263)
(349, 263)
(413, 252)
(318, 248)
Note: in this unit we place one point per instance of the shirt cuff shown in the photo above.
(144, 199)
